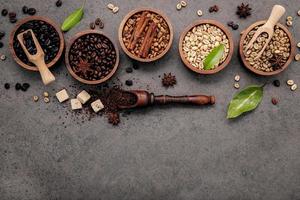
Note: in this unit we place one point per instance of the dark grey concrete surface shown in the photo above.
(166, 153)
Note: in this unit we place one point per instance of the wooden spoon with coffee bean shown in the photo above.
(36, 55)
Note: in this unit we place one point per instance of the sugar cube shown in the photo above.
(62, 95)
(97, 105)
(75, 104)
(83, 97)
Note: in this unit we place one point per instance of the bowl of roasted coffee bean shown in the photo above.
(145, 34)
(199, 39)
(49, 36)
(277, 56)
(91, 57)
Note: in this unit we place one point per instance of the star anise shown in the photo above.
(243, 10)
(168, 80)
(113, 118)
(83, 66)
(277, 61)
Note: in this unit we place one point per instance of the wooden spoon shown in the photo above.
(37, 59)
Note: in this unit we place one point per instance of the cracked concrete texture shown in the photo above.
(156, 153)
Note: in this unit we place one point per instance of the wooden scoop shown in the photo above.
(37, 59)
(146, 99)
(268, 27)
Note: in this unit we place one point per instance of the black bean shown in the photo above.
(31, 11)
(58, 3)
(4, 12)
(276, 83)
(18, 86)
(129, 82)
(7, 86)
(25, 9)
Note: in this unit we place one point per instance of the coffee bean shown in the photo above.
(98, 21)
(7, 86)
(235, 27)
(92, 25)
(276, 83)
(4, 12)
(231, 23)
(129, 70)
(25, 86)
(101, 25)
(25, 9)
(274, 101)
(58, 3)
(18, 86)
(129, 82)
(1, 44)
(31, 11)
(12, 15)
(12, 20)
(2, 34)
(135, 66)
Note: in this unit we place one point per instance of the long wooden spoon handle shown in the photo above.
(192, 100)
(47, 76)
(277, 12)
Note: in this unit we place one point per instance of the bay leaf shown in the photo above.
(73, 19)
(214, 57)
(246, 100)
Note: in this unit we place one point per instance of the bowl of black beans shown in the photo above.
(49, 36)
(91, 57)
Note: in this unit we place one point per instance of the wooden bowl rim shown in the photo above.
(78, 35)
(247, 65)
(41, 18)
(220, 26)
(127, 17)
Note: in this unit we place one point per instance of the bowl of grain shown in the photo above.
(145, 34)
(277, 56)
(199, 39)
(91, 57)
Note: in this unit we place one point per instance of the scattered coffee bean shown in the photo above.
(4, 12)
(92, 56)
(294, 87)
(183, 3)
(235, 27)
(46, 94)
(35, 98)
(1, 44)
(298, 44)
(13, 20)
(31, 11)
(115, 10)
(2, 34)
(276, 83)
(129, 82)
(199, 13)
(3, 57)
(236, 86)
(25, 9)
(129, 70)
(18, 86)
(7, 86)
(12, 15)
(237, 78)
(58, 3)
(98, 21)
(25, 87)
(297, 57)
(289, 23)
(92, 25)
(47, 36)
(230, 23)
(274, 101)
(178, 6)
(135, 66)
(46, 100)
(101, 25)
(290, 82)
(110, 6)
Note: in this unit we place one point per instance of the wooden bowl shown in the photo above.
(256, 71)
(222, 65)
(133, 56)
(40, 18)
(78, 35)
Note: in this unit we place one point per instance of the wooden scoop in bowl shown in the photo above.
(268, 27)
(37, 59)
(144, 98)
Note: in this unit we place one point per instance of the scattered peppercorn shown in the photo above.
(4, 12)
(129, 82)
(274, 101)
(58, 3)
(7, 86)
(276, 83)
(168, 80)
(18, 86)
(129, 70)
(25, 9)
(31, 11)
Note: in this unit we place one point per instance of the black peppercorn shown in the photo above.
(31, 11)
(18, 86)
(4, 12)
(276, 83)
(7, 86)
(25, 85)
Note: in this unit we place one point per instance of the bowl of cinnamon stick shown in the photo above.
(145, 34)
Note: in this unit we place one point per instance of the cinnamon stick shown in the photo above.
(146, 45)
(140, 26)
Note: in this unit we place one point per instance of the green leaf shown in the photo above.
(214, 57)
(73, 19)
(244, 101)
